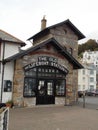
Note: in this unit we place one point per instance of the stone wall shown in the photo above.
(18, 98)
(18, 84)
(67, 38)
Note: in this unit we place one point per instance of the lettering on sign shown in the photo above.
(47, 58)
(46, 61)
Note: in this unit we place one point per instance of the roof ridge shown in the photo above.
(11, 35)
(68, 22)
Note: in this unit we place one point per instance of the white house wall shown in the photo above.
(91, 57)
(10, 49)
(8, 75)
(84, 79)
(93, 83)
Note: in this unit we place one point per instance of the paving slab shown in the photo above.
(53, 118)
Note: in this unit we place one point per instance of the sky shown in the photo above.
(22, 18)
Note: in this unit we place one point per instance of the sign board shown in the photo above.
(46, 61)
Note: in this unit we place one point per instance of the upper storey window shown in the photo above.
(65, 31)
(70, 51)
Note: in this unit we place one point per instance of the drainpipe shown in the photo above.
(3, 66)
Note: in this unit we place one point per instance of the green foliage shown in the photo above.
(9, 102)
(91, 45)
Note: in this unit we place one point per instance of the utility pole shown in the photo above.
(83, 99)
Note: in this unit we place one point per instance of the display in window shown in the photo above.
(60, 88)
(29, 87)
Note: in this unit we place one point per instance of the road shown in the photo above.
(53, 118)
(90, 102)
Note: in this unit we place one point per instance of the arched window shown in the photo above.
(43, 72)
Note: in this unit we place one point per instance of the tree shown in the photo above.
(91, 45)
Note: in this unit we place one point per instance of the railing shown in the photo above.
(4, 118)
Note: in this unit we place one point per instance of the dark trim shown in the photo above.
(28, 96)
(22, 43)
(3, 68)
(52, 41)
(64, 88)
(68, 22)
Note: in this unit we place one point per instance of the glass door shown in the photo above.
(45, 92)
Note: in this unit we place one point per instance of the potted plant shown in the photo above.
(9, 103)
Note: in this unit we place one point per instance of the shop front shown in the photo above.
(45, 80)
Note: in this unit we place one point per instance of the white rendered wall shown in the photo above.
(10, 49)
(84, 79)
(91, 57)
(8, 75)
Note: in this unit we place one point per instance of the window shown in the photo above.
(91, 79)
(31, 72)
(7, 86)
(91, 87)
(83, 87)
(83, 71)
(83, 79)
(49, 88)
(91, 71)
(65, 31)
(46, 72)
(41, 87)
(70, 51)
(79, 86)
(29, 87)
(50, 72)
(60, 88)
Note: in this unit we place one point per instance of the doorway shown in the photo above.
(45, 92)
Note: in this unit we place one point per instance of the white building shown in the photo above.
(91, 57)
(87, 78)
(9, 45)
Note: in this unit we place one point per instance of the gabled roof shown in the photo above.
(53, 42)
(4, 36)
(67, 22)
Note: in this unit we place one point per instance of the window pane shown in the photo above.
(41, 87)
(49, 88)
(29, 87)
(31, 72)
(91, 79)
(83, 71)
(91, 71)
(60, 88)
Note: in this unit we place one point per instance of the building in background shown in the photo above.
(87, 78)
(91, 57)
(9, 45)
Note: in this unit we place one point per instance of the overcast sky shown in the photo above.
(22, 18)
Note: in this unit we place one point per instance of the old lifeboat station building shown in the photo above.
(46, 73)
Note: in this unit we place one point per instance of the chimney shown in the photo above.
(43, 23)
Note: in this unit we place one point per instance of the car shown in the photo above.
(96, 92)
(91, 93)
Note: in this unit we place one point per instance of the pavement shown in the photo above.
(53, 117)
